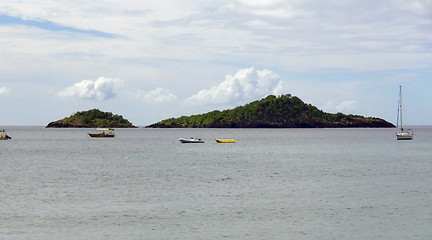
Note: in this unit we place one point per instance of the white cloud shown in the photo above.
(247, 84)
(261, 3)
(293, 34)
(100, 89)
(158, 95)
(275, 9)
(4, 90)
(420, 7)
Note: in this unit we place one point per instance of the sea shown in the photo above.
(271, 184)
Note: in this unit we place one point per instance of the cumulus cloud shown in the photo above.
(246, 84)
(4, 90)
(158, 95)
(100, 89)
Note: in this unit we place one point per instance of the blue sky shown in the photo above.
(49, 26)
(153, 60)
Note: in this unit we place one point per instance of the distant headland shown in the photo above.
(284, 111)
(93, 118)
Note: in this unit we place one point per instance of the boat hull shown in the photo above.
(192, 140)
(404, 136)
(101, 135)
(5, 137)
(225, 140)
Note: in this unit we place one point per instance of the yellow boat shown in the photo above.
(225, 140)
(3, 135)
(103, 132)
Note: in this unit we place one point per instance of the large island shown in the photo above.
(93, 118)
(284, 111)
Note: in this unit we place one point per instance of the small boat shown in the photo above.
(191, 140)
(225, 140)
(402, 134)
(103, 133)
(3, 135)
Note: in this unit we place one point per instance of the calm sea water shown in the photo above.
(271, 184)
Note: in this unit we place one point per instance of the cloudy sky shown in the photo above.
(151, 60)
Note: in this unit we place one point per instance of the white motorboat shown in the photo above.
(191, 140)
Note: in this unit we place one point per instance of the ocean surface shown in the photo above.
(271, 184)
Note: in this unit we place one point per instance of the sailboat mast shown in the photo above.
(400, 107)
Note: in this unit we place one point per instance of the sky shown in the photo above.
(152, 60)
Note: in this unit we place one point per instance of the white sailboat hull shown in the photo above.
(404, 136)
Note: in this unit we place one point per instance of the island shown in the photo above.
(283, 111)
(93, 118)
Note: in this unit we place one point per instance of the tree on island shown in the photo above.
(284, 111)
(93, 118)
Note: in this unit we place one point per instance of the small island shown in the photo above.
(284, 111)
(93, 118)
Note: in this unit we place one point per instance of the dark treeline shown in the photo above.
(284, 111)
(92, 119)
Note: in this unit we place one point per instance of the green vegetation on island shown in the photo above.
(93, 118)
(285, 111)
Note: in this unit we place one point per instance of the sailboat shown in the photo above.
(402, 134)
